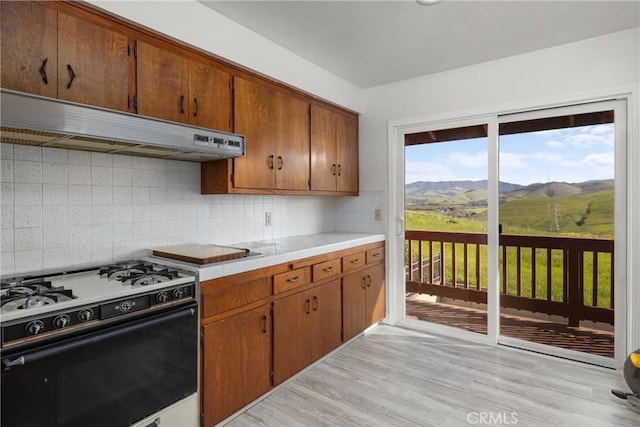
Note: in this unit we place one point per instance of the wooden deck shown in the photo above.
(397, 377)
(588, 340)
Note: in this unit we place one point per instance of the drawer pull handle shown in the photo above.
(264, 324)
(333, 170)
(328, 269)
(293, 279)
(377, 254)
(43, 71)
(182, 104)
(315, 303)
(368, 281)
(271, 158)
(195, 113)
(364, 282)
(280, 162)
(355, 261)
(307, 304)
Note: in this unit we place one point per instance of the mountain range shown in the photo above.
(475, 192)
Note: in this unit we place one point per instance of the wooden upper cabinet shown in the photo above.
(162, 83)
(347, 153)
(276, 127)
(93, 64)
(209, 96)
(324, 161)
(334, 151)
(292, 149)
(29, 48)
(255, 117)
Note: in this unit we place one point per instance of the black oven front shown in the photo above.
(111, 377)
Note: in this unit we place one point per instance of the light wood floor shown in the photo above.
(397, 377)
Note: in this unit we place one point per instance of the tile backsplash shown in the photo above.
(64, 207)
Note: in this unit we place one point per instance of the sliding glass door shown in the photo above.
(561, 215)
(514, 227)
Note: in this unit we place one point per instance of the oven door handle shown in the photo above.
(95, 338)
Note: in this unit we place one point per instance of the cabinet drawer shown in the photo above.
(325, 270)
(291, 279)
(228, 297)
(353, 262)
(375, 255)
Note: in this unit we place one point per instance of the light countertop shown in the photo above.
(279, 251)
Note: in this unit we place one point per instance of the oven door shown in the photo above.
(112, 377)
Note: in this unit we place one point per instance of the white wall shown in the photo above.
(195, 24)
(593, 68)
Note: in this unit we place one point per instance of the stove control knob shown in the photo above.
(34, 327)
(178, 293)
(125, 306)
(85, 315)
(61, 321)
(162, 297)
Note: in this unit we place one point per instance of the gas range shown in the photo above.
(43, 305)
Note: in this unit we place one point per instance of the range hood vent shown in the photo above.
(34, 120)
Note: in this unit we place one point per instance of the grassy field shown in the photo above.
(523, 217)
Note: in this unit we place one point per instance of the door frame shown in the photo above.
(394, 224)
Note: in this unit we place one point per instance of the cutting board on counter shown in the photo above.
(200, 254)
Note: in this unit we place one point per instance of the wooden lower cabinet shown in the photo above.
(236, 363)
(306, 326)
(363, 300)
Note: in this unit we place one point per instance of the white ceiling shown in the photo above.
(370, 43)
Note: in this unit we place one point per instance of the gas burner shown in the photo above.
(150, 279)
(19, 294)
(124, 271)
(51, 296)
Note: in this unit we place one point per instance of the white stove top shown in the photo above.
(88, 287)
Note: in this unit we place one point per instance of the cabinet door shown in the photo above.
(255, 117)
(323, 149)
(347, 153)
(163, 83)
(93, 64)
(353, 304)
(290, 336)
(29, 48)
(326, 319)
(235, 363)
(292, 150)
(209, 96)
(375, 294)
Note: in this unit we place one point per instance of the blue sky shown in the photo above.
(571, 155)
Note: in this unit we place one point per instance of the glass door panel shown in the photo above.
(557, 215)
(446, 227)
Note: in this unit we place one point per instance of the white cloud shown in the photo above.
(470, 160)
(427, 171)
(554, 144)
(512, 161)
(600, 160)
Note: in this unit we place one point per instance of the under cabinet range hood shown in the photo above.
(38, 121)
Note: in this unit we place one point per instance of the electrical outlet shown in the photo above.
(377, 214)
(267, 219)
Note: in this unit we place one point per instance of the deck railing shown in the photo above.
(570, 277)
